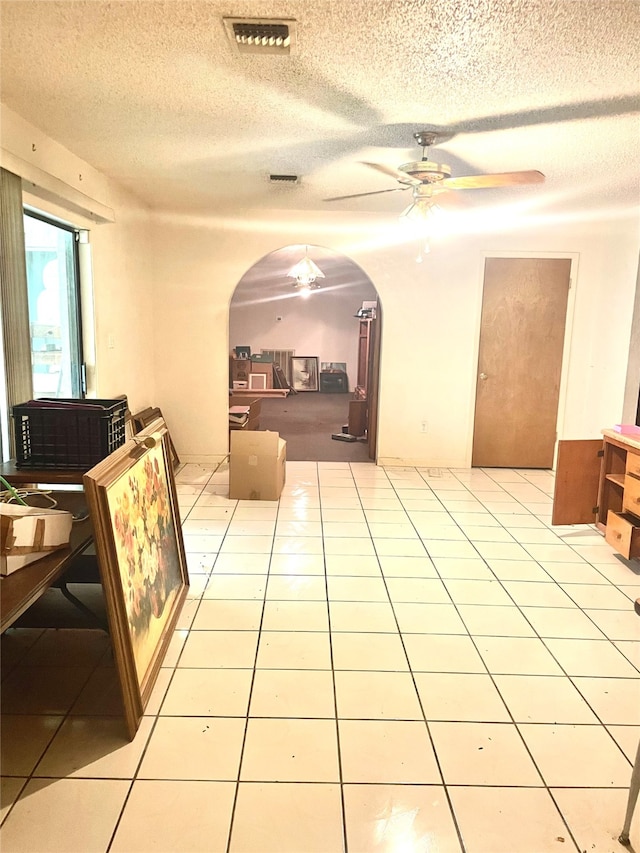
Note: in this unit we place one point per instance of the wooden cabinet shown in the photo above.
(365, 350)
(598, 482)
(239, 371)
(357, 417)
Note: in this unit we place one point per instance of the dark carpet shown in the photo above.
(307, 420)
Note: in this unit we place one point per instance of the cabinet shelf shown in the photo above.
(618, 479)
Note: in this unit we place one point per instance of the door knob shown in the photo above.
(483, 376)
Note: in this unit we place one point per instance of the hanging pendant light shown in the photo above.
(305, 272)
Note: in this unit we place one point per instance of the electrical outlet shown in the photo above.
(423, 426)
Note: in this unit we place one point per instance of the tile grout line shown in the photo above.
(253, 677)
(506, 707)
(452, 813)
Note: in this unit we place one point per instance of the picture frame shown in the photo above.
(304, 372)
(147, 416)
(133, 505)
(243, 352)
(257, 381)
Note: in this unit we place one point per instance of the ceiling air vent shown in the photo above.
(261, 35)
(283, 179)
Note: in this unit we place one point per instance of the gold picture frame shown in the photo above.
(147, 416)
(133, 505)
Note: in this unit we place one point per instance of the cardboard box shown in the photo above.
(30, 533)
(257, 466)
(261, 369)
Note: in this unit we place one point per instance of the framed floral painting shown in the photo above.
(132, 502)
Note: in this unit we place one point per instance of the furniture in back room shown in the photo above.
(333, 381)
(239, 370)
(359, 407)
(261, 375)
(357, 424)
(366, 330)
(250, 374)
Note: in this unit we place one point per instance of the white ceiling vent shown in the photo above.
(261, 35)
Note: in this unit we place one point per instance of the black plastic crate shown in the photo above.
(67, 433)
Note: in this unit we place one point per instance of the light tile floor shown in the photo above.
(394, 660)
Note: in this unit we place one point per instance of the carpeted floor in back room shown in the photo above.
(307, 421)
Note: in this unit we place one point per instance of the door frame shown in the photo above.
(573, 257)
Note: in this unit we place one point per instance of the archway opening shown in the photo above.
(309, 341)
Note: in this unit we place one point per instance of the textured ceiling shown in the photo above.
(155, 96)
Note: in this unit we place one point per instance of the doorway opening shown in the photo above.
(308, 347)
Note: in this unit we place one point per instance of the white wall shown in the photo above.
(163, 284)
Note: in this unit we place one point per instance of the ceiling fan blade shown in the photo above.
(359, 195)
(501, 179)
(393, 173)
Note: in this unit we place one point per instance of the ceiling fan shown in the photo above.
(427, 179)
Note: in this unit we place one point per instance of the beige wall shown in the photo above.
(163, 284)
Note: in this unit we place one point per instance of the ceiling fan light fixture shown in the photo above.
(421, 211)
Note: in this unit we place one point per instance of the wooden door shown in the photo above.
(522, 331)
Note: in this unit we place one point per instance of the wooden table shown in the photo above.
(19, 590)
(52, 476)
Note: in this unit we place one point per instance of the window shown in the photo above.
(54, 308)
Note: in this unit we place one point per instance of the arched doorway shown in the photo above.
(318, 332)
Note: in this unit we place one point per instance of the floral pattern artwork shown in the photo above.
(147, 551)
